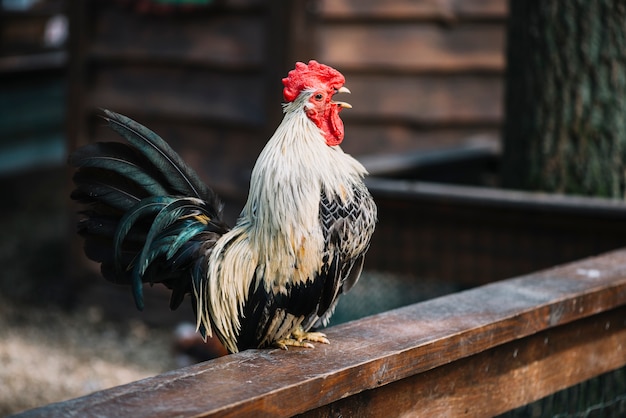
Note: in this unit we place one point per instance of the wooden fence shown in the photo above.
(478, 352)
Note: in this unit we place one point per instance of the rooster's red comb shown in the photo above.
(310, 75)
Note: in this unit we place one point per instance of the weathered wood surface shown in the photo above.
(407, 46)
(447, 355)
(416, 83)
(206, 71)
(417, 69)
(410, 9)
(425, 100)
(232, 42)
(197, 94)
(500, 379)
(401, 35)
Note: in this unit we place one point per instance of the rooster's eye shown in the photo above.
(319, 96)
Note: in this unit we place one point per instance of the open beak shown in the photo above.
(343, 105)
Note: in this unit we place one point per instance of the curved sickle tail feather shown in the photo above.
(149, 217)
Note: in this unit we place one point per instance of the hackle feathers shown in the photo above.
(277, 240)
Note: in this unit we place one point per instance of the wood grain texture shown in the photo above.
(425, 100)
(415, 67)
(191, 93)
(369, 137)
(406, 343)
(500, 379)
(418, 48)
(230, 41)
(410, 9)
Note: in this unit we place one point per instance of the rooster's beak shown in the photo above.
(343, 104)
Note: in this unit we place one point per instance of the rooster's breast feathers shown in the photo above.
(298, 244)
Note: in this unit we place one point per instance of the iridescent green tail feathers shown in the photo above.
(149, 218)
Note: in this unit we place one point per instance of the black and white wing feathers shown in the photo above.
(347, 227)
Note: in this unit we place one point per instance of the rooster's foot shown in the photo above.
(299, 338)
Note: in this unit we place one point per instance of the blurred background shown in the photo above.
(427, 80)
(205, 75)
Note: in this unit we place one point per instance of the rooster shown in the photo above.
(298, 244)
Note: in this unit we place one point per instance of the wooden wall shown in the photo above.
(424, 74)
(206, 79)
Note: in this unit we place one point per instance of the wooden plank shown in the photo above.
(378, 350)
(191, 93)
(369, 138)
(231, 41)
(501, 379)
(410, 9)
(425, 100)
(413, 47)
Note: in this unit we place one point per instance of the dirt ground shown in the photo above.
(49, 355)
(50, 351)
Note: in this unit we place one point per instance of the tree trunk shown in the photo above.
(565, 128)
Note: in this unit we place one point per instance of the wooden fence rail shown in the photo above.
(475, 353)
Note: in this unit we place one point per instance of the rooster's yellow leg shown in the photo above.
(299, 338)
